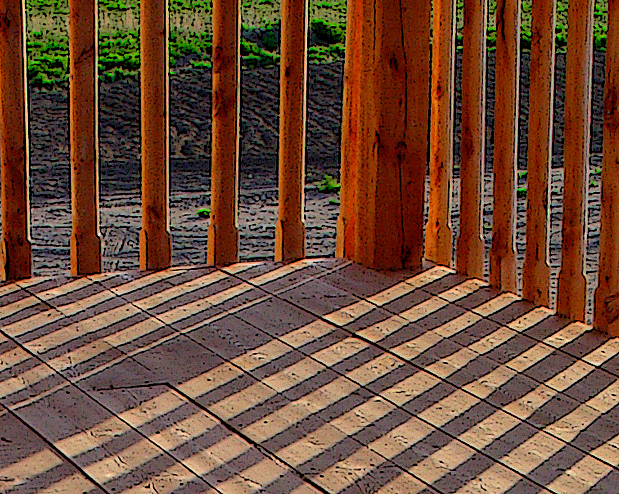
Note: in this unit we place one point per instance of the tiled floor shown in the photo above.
(318, 376)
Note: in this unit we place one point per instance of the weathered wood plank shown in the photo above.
(15, 243)
(290, 227)
(502, 252)
(607, 294)
(223, 234)
(439, 248)
(470, 251)
(572, 286)
(84, 125)
(536, 271)
(155, 240)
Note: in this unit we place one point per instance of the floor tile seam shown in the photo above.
(238, 433)
(76, 385)
(364, 387)
(484, 400)
(53, 447)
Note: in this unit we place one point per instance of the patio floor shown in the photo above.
(313, 377)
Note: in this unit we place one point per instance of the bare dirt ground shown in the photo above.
(190, 109)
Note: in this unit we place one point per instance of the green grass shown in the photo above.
(190, 40)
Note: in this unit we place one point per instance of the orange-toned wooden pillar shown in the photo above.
(439, 247)
(15, 244)
(155, 240)
(536, 271)
(503, 252)
(471, 251)
(606, 314)
(223, 234)
(83, 122)
(290, 228)
(572, 288)
(351, 143)
(394, 130)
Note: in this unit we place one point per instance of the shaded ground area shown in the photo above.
(313, 377)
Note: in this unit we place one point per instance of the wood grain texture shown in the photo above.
(290, 227)
(223, 233)
(502, 251)
(84, 125)
(572, 287)
(606, 314)
(15, 243)
(155, 240)
(439, 248)
(470, 247)
(536, 271)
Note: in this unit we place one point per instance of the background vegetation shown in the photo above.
(190, 35)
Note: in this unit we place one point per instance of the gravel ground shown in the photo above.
(190, 123)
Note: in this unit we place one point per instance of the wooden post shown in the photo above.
(290, 228)
(502, 252)
(351, 144)
(155, 240)
(394, 130)
(572, 289)
(471, 250)
(606, 317)
(439, 248)
(83, 122)
(15, 244)
(536, 271)
(223, 234)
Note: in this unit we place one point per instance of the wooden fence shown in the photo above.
(389, 91)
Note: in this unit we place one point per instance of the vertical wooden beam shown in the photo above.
(606, 316)
(502, 252)
(15, 244)
(572, 289)
(290, 228)
(471, 251)
(439, 248)
(223, 234)
(391, 174)
(536, 271)
(351, 144)
(83, 122)
(155, 240)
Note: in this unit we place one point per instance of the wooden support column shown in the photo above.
(471, 250)
(394, 130)
(351, 143)
(290, 228)
(15, 244)
(606, 315)
(439, 247)
(155, 240)
(536, 271)
(223, 234)
(502, 252)
(83, 122)
(572, 289)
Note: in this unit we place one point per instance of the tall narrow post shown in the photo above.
(223, 234)
(394, 109)
(606, 316)
(471, 251)
(503, 252)
(572, 289)
(290, 228)
(536, 271)
(439, 246)
(83, 121)
(155, 240)
(351, 144)
(15, 245)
